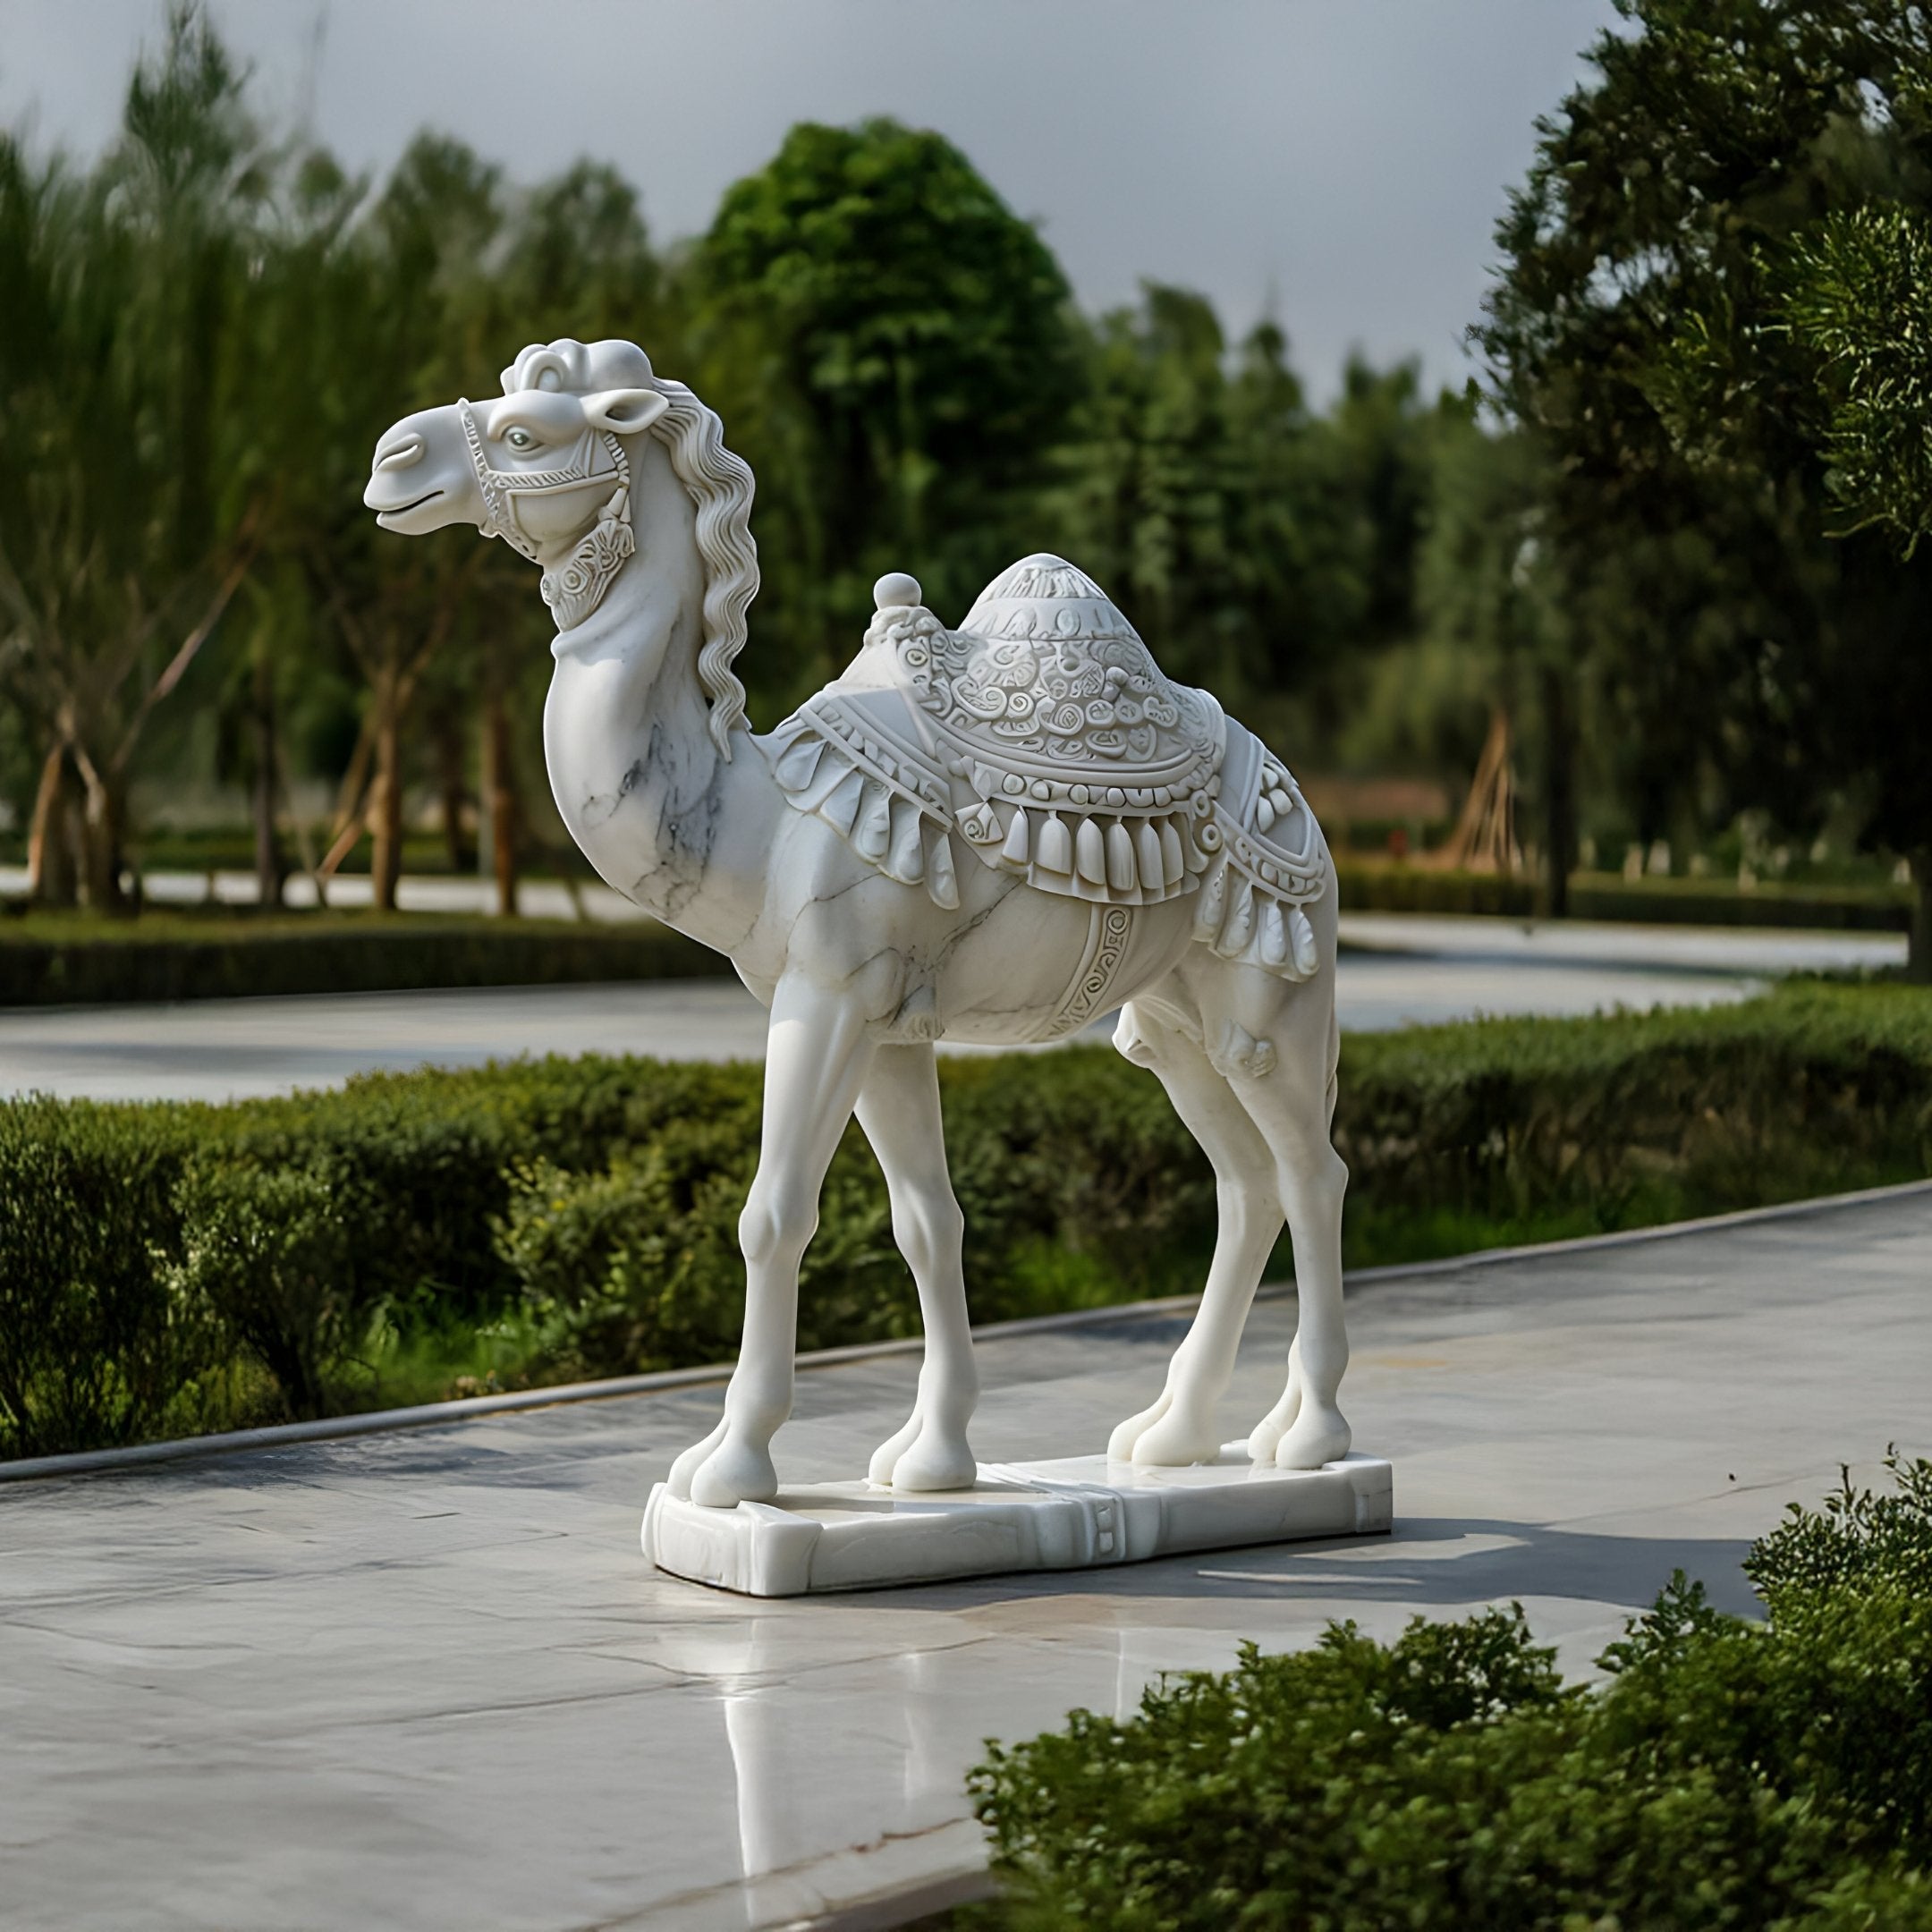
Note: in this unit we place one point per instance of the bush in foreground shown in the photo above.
(1730, 1773)
(171, 1268)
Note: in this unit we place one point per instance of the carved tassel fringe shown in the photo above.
(1153, 866)
(1055, 846)
(1014, 852)
(941, 884)
(1302, 939)
(1209, 910)
(840, 808)
(905, 860)
(873, 831)
(1173, 858)
(1090, 852)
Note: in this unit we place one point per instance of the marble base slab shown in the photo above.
(1081, 1512)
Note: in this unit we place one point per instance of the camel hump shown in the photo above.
(1044, 737)
(1048, 666)
(1045, 597)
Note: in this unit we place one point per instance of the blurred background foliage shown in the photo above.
(1668, 541)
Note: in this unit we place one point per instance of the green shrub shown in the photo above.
(48, 958)
(628, 1269)
(584, 1212)
(267, 1255)
(1729, 1774)
(1601, 896)
(91, 1351)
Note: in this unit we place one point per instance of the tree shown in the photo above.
(1643, 326)
(1856, 295)
(120, 544)
(892, 349)
(1491, 601)
(1261, 549)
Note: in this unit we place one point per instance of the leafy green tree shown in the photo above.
(1490, 611)
(892, 349)
(576, 260)
(1261, 548)
(121, 543)
(1856, 294)
(1152, 481)
(1644, 325)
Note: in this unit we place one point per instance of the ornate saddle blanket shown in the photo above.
(1043, 737)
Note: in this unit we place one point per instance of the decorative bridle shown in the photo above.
(575, 587)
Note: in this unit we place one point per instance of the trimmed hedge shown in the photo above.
(1730, 1774)
(170, 1267)
(223, 956)
(1603, 896)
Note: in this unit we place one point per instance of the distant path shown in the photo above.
(414, 1680)
(1395, 972)
(1731, 949)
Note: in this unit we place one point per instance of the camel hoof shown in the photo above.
(885, 1457)
(1175, 1441)
(935, 1462)
(1267, 1435)
(734, 1473)
(1120, 1443)
(1318, 1436)
(687, 1465)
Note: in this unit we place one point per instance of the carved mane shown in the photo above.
(716, 481)
(720, 484)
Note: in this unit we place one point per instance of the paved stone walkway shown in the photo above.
(425, 1680)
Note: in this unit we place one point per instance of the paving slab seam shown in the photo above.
(891, 1906)
(471, 1408)
(901, 1907)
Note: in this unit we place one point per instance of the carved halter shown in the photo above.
(575, 588)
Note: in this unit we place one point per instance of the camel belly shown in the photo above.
(1041, 968)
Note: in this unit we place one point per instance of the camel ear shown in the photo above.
(625, 412)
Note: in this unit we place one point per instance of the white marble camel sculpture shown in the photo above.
(987, 835)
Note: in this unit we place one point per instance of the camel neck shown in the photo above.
(638, 777)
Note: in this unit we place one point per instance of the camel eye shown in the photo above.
(520, 439)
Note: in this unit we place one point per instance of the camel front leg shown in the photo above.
(816, 1061)
(899, 1110)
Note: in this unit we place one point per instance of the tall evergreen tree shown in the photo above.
(892, 349)
(1641, 326)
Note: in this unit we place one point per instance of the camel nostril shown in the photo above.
(400, 455)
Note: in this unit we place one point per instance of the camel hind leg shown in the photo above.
(1258, 1091)
(1290, 1096)
(1180, 1427)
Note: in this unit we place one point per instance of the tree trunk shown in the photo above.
(269, 870)
(103, 825)
(454, 784)
(1918, 954)
(51, 873)
(1559, 790)
(386, 805)
(499, 783)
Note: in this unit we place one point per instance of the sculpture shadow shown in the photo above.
(1504, 1561)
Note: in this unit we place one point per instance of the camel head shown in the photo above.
(549, 469)
(543, 466)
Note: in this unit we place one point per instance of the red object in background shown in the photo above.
(1398, 844)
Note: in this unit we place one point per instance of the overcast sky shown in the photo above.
(1343, 161)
